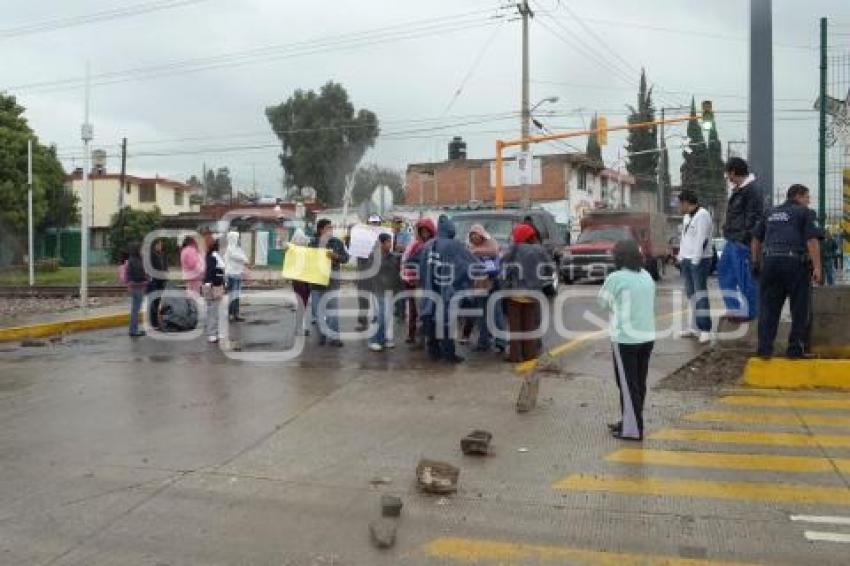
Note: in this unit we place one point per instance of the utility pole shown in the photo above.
(822, 126)
(761, 94)
(662, 167)
(87, 133)
(204, 183)
(525, 113)
(31, 248)
(122, 183)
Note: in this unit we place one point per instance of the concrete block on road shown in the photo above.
(383, 533)
(391, 505)
(476, 443)
(437, 477)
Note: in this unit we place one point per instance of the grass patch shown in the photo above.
(98, 275)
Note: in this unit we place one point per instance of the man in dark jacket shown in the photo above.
(445, 270)
(327, 316)
(383, 286)
(734, 271)
(137, 281)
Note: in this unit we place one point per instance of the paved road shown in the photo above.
(151, 453)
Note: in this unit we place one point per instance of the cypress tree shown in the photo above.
(642, 162)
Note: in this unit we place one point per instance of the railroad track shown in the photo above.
(56, 291)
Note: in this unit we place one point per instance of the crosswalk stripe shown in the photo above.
(753, 437)
(795, 402)
(827, 537)
(749, 491)
(789, 419)
(725, 461)
(819, 519)
(498, 552)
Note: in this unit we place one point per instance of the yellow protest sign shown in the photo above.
(311, 265)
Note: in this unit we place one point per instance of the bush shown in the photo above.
(130, 226)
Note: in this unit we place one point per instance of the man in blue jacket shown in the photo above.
(445, 270)
(734, 272)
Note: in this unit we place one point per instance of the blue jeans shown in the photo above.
(327, 313)
(234, 290)
(137, 296)
(381, 304)
(736, 280)
(498, 321)
(696, 288)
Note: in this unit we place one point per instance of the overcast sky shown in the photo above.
(460, 72)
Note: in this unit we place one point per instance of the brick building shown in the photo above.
(566, 183)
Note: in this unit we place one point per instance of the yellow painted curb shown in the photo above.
(16, 333)
(797, 374)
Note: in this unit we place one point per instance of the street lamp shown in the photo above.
(526, 187)
(550, 100)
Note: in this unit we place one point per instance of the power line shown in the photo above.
(396, 32)
(626, 64)
(106, 15)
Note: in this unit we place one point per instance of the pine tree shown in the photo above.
(695, 167)
(594, 151)
(643, 142)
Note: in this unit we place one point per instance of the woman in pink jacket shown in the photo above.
(192, 265)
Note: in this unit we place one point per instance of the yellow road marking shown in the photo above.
(786, 402)
(726, 461)
(757, 437)
(752, 491)
(797, 374)
(478, 551)
(787, 419)
(524, 367)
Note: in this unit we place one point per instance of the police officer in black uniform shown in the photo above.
(784, 243)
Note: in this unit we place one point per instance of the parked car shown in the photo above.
(592, 256)
(500, 223)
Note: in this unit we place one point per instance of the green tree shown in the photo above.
(594, 151)
(695, 165)
(370, 176)
(642, 143)
(323, 138)
(48, 178)
(217, 184)
(128, 226)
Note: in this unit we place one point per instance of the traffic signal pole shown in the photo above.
(499, 198)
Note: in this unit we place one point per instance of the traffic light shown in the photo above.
(602, 128)
(707, 115)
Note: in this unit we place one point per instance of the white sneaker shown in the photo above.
(704, 337)
(376, 347)
(690, 333)
(389, 344)
(212, 339)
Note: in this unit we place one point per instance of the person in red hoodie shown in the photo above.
(425, 230)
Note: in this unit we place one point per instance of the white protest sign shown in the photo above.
(363, 239)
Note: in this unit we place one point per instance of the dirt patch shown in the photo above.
(713, 369)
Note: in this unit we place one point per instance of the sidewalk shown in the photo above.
(54, 324)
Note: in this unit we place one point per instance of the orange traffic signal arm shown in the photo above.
(499, 200)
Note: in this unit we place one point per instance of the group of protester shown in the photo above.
(439, 265)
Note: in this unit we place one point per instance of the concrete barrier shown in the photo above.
(830, 336)
(780, 373)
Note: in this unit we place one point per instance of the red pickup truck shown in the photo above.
(592, 256)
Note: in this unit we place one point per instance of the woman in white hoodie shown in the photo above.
(234, 266)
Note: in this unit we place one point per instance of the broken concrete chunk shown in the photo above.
(437, 477)
(391, 506)
(476, 442)
(383, 533)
